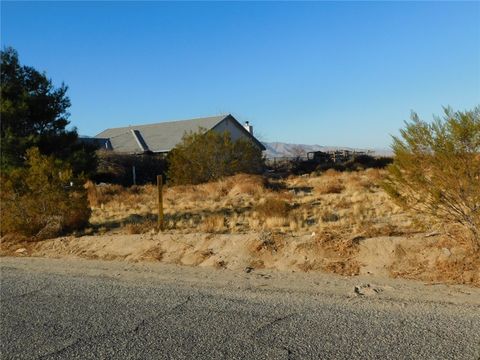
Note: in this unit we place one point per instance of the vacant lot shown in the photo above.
(333, 202)
(337, 222)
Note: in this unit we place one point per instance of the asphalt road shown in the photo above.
(50, 312)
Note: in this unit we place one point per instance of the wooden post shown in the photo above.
(134, 175)
(160, 224)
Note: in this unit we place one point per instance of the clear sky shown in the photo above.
(328, 73)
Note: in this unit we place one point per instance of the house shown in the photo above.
(163, 137)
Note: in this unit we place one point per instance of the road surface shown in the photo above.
(86, 309)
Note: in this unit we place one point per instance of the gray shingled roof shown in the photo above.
(159, 137)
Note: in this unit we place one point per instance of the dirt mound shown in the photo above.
(417, 257)
(426, 258)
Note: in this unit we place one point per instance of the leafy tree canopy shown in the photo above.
(35, 114)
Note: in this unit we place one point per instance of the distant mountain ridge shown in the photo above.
(279, 149)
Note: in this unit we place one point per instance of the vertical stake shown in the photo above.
(160, 202)
(134, 175)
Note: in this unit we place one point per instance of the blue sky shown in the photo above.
(328, 73)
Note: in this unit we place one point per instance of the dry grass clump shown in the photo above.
(137, 224)
(272, 207)
(458, 271)
(272, 213)
(241, 185)
(140, 227)
(329, 187)
(10, 243)
(102, 194)
(446, 259)
(328, 216)
(99, 195)
(331, 173)
(342, 248)
(234, 185)
(334, 238)
(331, 249)
(92, 193)
(455, 265)
(155, 253)
(269, 242)
(359, 182)
(376, 176)
(253, 185)
(214, 224)
(276, 222)
(371, 229)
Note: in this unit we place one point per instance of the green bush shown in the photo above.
(436, 169)
(203, 157)
(43, 199)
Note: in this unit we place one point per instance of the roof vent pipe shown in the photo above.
(248, 127)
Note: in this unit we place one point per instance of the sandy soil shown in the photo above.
(417, 256)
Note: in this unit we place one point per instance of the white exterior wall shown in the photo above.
(229, 125)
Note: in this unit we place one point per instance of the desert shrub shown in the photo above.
(42, 199)
(214, 224)
(331, 173)
(339, 241)
(139, 224)
(140, 227)
(330, 187)
(328, 216)
(437, 169)
(104, 193)
(375, 175)
(92, 194)
(246, 184)
(208, 156)
(273, 207)
(267, 241)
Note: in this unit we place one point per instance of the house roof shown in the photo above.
(159, 137)
(99, 143)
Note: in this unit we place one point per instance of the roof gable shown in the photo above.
(243, 130)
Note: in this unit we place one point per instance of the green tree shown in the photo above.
(436, 169)
(208, 156)
(43, 198)
(35, 114)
